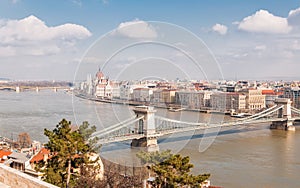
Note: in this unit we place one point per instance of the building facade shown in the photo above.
(255, 100)
(293, 93)
(228, 102)
(142, 94)
(191, 99)
(101, 85)
(270, 96)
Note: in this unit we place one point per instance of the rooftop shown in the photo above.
(18, 156)
(40, 155)
(4, 153)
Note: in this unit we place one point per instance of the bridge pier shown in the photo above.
(283, 125)
(145, 126)
(18, 89)
(286, 114)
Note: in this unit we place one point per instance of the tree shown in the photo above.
(87, 132)
(24, 140)
(68, 150)
(150, 158)
(175, 172)
(171, 170)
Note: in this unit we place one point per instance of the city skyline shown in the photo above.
(248, 39)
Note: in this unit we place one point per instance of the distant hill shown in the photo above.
(4, 79)
(36, 83)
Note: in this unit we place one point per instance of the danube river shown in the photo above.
(245, 156)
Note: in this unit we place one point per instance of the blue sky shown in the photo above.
(48, 39)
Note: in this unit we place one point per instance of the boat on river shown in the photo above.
(172, 109)
(240, 115)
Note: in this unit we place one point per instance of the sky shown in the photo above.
(207, 39)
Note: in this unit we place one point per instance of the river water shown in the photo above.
(244, 156)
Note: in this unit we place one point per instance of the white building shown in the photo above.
(101, 85)
(126, 90)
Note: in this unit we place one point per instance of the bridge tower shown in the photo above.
(285, 113)
(145, 126)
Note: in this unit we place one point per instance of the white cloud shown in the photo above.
(287, 54)
(294, 12)
(31, 36)
(136, 29)
(295, 45)
(219, 28)
(77, 2)
(6, 51)
(294, 17)
(260, 47)
(240, 55)
(264, 22)
(235, 23)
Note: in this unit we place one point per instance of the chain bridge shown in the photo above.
(145, 127)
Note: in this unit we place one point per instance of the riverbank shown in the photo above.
(170, 107)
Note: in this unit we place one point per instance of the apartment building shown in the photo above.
(142, 94)
(293, 93)
(255, 100)
(191, 99)
(228, 102)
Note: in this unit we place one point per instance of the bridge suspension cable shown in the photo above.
(254, 117)
(296, 110)
(262, 112)
(114, 126)
(117, 128)
(177, 121)
(266, 113)
(193, 125)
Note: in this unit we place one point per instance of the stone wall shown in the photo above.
(16, 179)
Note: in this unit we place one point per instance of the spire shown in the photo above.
(99, 74)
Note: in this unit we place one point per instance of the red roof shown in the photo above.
(4, 153)
(40, 155)
(268, 92)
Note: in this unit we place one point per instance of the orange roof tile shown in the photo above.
(268, 92)
(40, 155)
(4, 153)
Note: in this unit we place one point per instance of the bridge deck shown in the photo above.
(165, 126)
